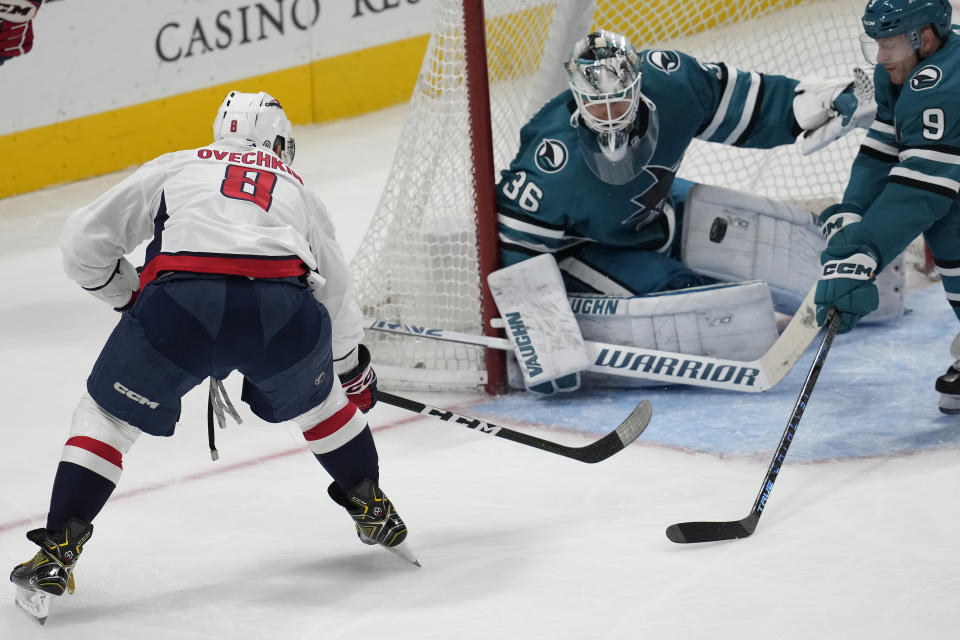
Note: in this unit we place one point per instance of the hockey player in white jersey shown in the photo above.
(242, 273)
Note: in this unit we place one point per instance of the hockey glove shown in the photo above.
(16, 27)
(847, 284)
(830, 109)
(360, 382)
(836, 217)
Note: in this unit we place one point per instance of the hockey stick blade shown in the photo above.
(712, 531)
(625, 433)
(690, 532)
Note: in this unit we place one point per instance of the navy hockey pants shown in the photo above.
(186, 327)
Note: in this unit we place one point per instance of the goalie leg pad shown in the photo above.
(735, 236)
(732, 320)
(891, 285)
(537, 318)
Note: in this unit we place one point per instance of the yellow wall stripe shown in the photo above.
(323, 90)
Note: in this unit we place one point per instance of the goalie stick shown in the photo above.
(665, 366)
(625, 433)
(685, 532)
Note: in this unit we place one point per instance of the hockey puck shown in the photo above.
(718, 229)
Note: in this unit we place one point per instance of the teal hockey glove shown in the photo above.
(836, 217)
(846, 283)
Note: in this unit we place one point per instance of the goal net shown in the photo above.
(420, 262)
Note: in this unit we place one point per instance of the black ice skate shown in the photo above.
(949, 387)
(50, 572)
(376, 520)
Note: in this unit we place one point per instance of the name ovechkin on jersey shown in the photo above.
(252, 158)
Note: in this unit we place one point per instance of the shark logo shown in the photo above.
(650, 200)
(550, 156)
(666, 61)
(926, 78)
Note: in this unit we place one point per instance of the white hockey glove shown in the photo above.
(829, 109)
(121, 290)
(537, 317)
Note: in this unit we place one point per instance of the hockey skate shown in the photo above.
(376, 520)
(50, 572)
(948, 385)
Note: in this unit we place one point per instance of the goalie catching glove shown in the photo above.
(360, 381)
(847, 284)
(829, 109)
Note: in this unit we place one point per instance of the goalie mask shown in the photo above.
(257, 117)
(619, 125)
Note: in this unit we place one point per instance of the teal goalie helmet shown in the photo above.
(887, 18)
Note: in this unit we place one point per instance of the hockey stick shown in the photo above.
(665, 366)
(625, 433)
(713, 531)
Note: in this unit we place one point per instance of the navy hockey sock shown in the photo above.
(77, 493)
(354, 461)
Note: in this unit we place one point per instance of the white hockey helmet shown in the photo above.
(257, 117)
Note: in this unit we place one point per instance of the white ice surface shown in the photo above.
(514, 542)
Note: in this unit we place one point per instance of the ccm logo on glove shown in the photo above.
(859, 266)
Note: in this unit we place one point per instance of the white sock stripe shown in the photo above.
(341, 436)
(91, 461)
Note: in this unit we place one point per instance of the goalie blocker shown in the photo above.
(537, 318)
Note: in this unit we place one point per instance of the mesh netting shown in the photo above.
(418, 261)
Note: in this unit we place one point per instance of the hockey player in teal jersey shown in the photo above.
(594, 183)
(601, 193)
(906, 177)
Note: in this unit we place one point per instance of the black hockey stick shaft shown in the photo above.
(685, 532)
(625, 433)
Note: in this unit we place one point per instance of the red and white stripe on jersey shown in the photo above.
(95, 455)
(336, 430)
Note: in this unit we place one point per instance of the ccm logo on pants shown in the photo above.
(136, 397)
